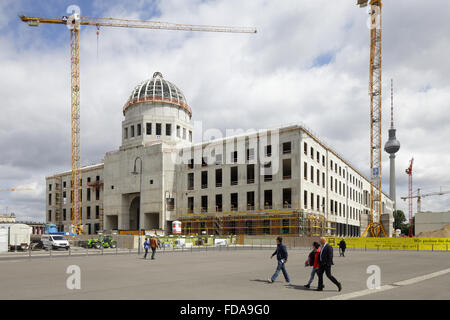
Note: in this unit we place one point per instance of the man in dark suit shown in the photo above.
(325, 263)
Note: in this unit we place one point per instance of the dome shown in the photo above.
(157, 89)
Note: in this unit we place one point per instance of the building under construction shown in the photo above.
(281, 180)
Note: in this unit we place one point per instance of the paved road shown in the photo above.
(233, 274)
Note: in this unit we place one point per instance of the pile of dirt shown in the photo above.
(441, 233)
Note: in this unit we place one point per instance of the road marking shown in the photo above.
(361, 293)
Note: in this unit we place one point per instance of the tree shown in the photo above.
(400, 221)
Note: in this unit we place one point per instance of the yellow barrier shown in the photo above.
(438, 244)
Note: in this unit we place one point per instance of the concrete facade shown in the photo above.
(431, 221)
(255, 172)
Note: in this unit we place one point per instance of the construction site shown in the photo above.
(207, 208)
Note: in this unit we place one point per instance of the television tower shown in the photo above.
(391, 147)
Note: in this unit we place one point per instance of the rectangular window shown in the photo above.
(323, 161)
(49, 215)
(191, 164)
(318, 157)
(190, 207)
(250, 154)
(218, 202)
(234, 202)
(178, 132)
(287, 170)
(312, 153)
(49, 187)
(305, 199)
(204, 179)
(286, 147)
(250, 173)
(268, 150)
(305, 148)
(184, 133)
(88, 195)
(323, 179)
(305, 171)
(97, 194)
(204, 207)
(132, 131)
(318, 203)
(97, 212)
(251, 200)
(139, 129)
(125, 133)
(170, 204)
(218, 178)
(158, 129)
(312, 174)
(234, 175)
(64, 184)
(50, 199)
(64, 215)
(267, 199)
(190, 181)
(312, 201)
(149, 128)
(168, 129)
(234, 156)
(287, 198)
(88, 212)
(318, 177)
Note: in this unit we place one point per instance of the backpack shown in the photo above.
(311, 257)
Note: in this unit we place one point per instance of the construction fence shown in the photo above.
(418, 244)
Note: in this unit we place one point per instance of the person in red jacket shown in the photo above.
(313, 261)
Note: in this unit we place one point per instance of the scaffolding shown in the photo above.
(287, 221)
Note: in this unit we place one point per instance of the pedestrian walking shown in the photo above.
(146, 247)
(153, 245)
(282, 257)
(342, 247)
(313, 261)
(325, 263)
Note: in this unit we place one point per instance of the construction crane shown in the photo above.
(419, 197)
(74, 22)
(374, 226)
(16, 189)
(409, 172)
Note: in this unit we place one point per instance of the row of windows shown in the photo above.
(88, 179)
(88, 214)
(316, 202)
(333, 165)
(80, 196)
(182, 133)
(337, 186)
(234, 201)
(234, 176)
(250, 155)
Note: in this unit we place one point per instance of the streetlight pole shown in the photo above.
(140, 199)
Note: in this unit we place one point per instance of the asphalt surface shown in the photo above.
(225, 274)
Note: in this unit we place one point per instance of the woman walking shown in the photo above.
(313, 261)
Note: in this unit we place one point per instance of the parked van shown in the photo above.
(54, 242)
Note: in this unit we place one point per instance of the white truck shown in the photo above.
(18, 235)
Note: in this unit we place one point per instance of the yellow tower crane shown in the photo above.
(74, 22)
(374, 226)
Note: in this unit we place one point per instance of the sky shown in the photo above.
(308, 63)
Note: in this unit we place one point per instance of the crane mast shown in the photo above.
(74, 22)
(374, 227)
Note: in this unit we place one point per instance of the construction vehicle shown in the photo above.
(102, 242)
(74, 22)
